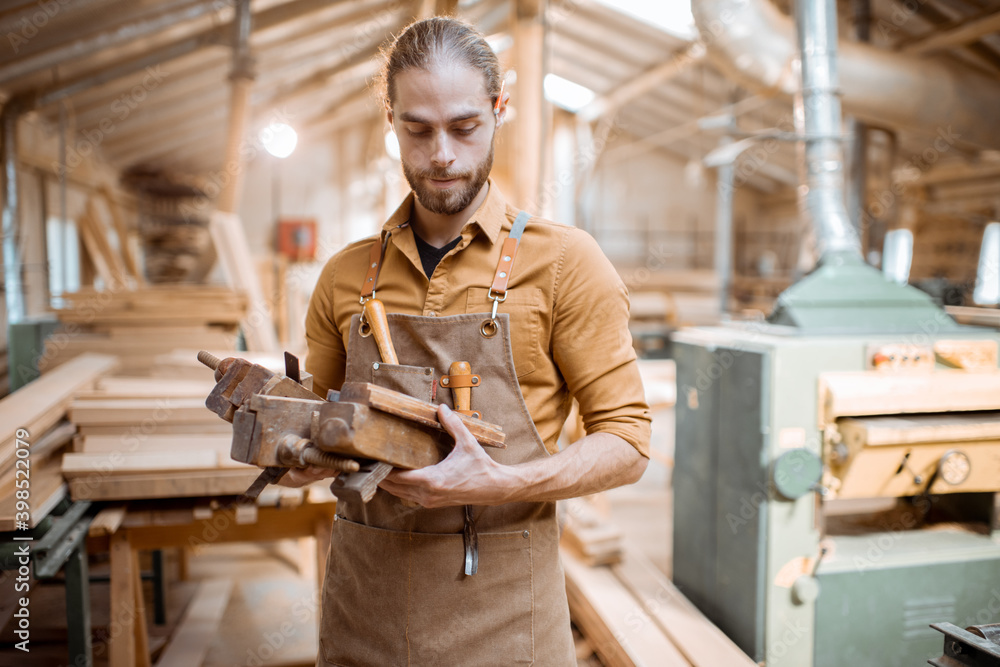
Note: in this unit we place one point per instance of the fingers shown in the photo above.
(454, 426)
(296, 477)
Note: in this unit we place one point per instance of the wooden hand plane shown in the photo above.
(278, 423)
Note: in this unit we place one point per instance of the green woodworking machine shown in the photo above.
(837, 470)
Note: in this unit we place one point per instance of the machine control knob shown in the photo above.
(796, 472)
(805, 589)
(954, 467)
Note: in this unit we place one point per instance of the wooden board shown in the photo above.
(115, 463)
(875, 392)
(121, 230)
(416, 410)
(39, 405)
(156, 411)
(618, 628)
(47, 489)
(157, 442)
(592, 537)
(913, 429)
(234, 255)
(137, 432)
(199, 625)
(153, 306)
(163, 485)
(697, 638)
(107, 521)
(126, 387)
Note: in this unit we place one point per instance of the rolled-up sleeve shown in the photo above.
(326, 358)
(592, 346)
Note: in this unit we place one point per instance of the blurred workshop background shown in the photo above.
(812, 267)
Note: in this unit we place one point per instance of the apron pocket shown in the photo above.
(363, 621)
(453, 619)
(524, 307)
(415, 381)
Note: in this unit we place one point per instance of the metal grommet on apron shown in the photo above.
(406, 566)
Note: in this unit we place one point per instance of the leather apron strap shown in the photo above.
(501, 277)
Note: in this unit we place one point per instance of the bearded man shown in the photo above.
(538, 332)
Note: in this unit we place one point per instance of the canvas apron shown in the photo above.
(395, 592)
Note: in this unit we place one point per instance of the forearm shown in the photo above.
(595, 463)
(468, 476)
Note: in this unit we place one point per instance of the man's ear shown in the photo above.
(388, 117)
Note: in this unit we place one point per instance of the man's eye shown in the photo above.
(418, 133)
(465, 131)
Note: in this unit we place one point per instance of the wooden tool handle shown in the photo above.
(461, 395)
(375, 317)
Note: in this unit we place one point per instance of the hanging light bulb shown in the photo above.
(279, 139)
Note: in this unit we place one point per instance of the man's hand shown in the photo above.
(296, 477)
(467, 476)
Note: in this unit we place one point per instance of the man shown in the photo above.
(458, 563)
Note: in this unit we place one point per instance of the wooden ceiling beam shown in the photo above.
(220, 35)
(177, 90)
(646, 81)
(211, 122)
(358, 64)
(167, 120)
(958, 36)
(82, 47)
(942, 21)
(678, 132)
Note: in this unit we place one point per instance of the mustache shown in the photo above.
(439, 175)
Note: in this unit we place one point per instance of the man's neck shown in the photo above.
(438, 229)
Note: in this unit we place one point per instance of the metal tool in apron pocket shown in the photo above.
(461, 381)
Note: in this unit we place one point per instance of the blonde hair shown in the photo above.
(438, 38)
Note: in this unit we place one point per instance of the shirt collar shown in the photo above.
(490, 216)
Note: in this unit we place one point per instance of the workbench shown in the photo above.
(125, 530)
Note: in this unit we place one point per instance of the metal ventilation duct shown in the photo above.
(818, 119)
(754, 43)
(844, 294)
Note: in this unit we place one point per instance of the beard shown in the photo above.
(456, 198)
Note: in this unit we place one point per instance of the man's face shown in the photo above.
(444, 121)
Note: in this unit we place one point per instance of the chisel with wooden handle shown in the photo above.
(460, 379)
(362, 485)
(374, 312)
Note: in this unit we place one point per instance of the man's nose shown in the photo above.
(443, 153)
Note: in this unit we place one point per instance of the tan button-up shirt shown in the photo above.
(568, 314)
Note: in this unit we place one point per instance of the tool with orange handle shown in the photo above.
(461, 380)
(375, 319)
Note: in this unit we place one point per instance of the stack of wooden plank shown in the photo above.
(37, 411)
(155, 306)
(594, 538)
(138, 325)
(631, 615)
(143, 439)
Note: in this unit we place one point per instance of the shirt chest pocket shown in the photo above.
(524, 308)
